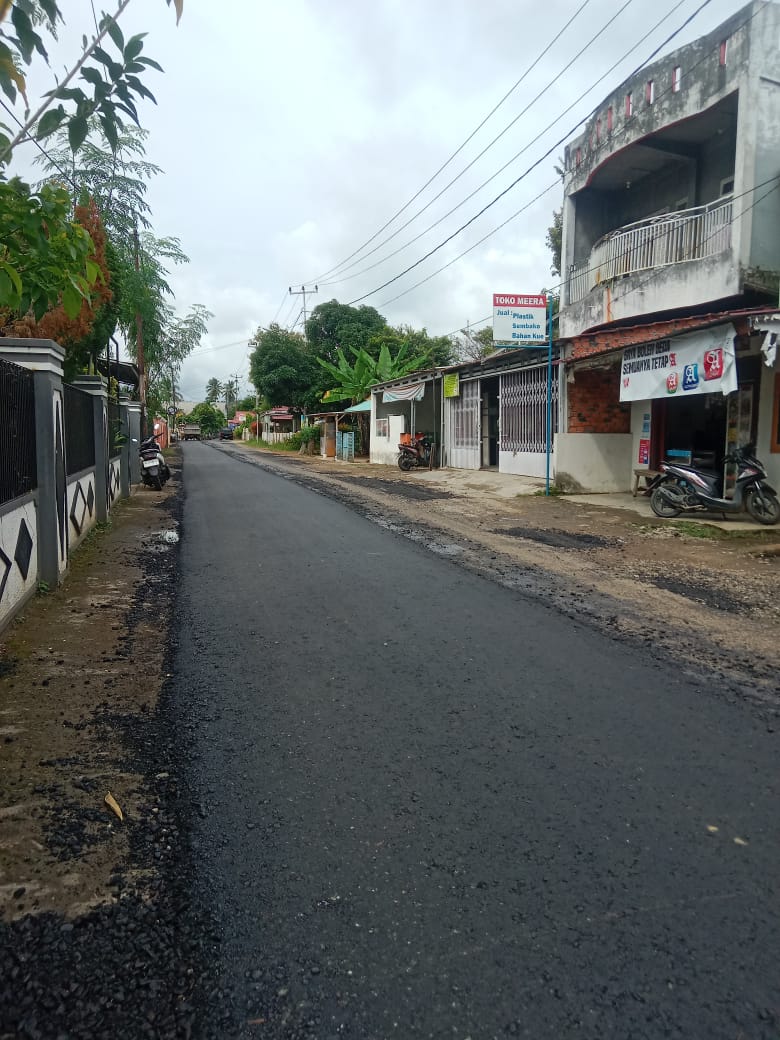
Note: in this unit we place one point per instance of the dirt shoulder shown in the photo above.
(74, 669)
(704, 597)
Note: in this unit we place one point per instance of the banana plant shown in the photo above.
(353, 380)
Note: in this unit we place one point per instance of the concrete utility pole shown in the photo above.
(302, 292)
(139, 344)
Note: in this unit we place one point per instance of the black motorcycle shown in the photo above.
(416, 454)
(680, 488)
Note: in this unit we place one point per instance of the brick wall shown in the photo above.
(615, 339)
(594, 405)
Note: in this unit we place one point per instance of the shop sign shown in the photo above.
(452, 385)
(702, 362)
(519, 318)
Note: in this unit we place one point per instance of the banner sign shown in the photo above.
(702, 362)
(412, 392)
(452, 385)
(519, 319)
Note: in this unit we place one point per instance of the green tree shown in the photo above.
(44, 256)
(554, 238)
(211, 419)
(213, 390)
(333, 325)
(283, 370)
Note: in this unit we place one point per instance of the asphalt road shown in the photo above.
(432, 807)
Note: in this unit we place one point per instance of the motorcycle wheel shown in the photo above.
(157, 484)
(405, 463)
(661, 506)
(763, 506)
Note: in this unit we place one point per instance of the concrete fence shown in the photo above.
(67, 455)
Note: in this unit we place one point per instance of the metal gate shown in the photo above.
(463, 421)
(523, 411)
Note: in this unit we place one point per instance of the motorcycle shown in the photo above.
(681, 488)
(154, 469)
(416, 454)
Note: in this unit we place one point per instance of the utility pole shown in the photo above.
(302, 292)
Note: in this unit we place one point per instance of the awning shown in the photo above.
(364, 406)
(412, 392)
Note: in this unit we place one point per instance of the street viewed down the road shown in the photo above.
(431, 806)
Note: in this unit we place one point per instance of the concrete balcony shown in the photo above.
(677, 238)
(689, 253)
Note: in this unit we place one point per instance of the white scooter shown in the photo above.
(154, 468)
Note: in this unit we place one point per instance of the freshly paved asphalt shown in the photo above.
(431, 807)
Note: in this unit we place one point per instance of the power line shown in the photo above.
(517, 180)
(530, 143)
(458, 150)
(605, 144)
(497, 138)
(279, 308)
(39, 146)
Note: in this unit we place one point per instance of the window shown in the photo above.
(629, 105)
(650, 91)
(609, 120)
(578, 156)
(598, 130)
(723, 49)
(676, 77)
(383, 427)
(727, 186)
(774, 439)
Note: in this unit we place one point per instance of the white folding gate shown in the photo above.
(523, 420)
(463, 427)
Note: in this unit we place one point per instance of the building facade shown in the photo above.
(671, 262)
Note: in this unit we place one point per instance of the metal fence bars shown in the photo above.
(690, 234)
(79, 430)
(115, 436)
(18, 473)
(523, 410)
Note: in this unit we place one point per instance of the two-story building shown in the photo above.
(671, 261)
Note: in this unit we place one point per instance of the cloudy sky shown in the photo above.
(290, 133)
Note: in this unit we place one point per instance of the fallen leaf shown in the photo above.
(740, 841)
(712, 828)
(112, 803)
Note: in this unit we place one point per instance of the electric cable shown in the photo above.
(477, 157)
(514, 183)
(279, 308)
(460, 148)
(39, 146)
(607, 143)
(537, 138)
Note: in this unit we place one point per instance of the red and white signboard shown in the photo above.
(519, 318)
(701, 362)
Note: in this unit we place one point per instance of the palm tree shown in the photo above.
(213, 391)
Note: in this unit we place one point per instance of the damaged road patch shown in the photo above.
(560, 539)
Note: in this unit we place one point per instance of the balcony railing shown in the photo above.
(673, 238)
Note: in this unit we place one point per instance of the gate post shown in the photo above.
(96, 388)
(124, 458)
(134, 439)
(45, 359)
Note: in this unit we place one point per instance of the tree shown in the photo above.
(45, 256)
(214, 390)
(352, 381)
(555, 241)
(282, 368)
(474, 346)
(211, 419)
(230, 391)
(333, 325)
(554, 238)
(110, 84)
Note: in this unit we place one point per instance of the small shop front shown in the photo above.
(401, 409)
(694, 398)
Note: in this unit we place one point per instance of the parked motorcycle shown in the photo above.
(416, 454)
(154, 468)
(680, 488)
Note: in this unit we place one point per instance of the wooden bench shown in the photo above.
(648, 474)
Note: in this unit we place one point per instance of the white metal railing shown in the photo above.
(674, 238)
